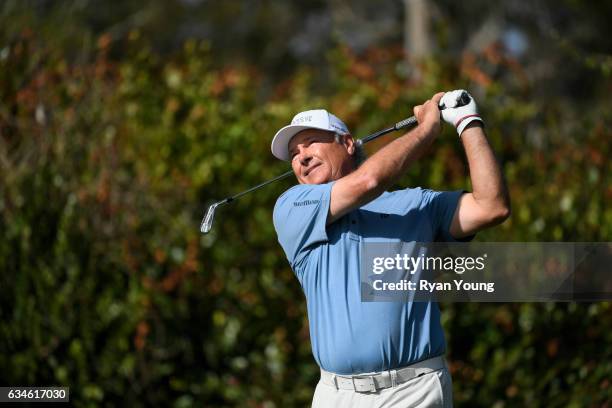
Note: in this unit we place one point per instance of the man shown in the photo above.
(339, 205)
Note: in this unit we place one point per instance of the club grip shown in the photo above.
(411, 121)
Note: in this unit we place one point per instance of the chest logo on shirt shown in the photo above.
(305, 202)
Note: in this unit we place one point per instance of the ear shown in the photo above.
(349, 143)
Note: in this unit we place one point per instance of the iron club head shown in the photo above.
(208, 219)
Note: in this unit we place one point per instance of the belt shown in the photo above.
(384, 379)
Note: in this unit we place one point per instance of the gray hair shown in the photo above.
(359, 156)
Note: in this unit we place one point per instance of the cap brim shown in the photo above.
(280, 142)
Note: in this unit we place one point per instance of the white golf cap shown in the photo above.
(311, 119)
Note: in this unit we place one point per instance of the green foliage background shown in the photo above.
(107, 162)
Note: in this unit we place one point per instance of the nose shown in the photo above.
(303, 155)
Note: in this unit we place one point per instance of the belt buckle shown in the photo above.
(365, 384)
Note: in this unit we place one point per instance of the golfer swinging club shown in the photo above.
(377, 354)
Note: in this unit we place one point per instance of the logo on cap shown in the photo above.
(302, 119)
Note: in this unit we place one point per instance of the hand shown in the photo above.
(428, 114)
(458, 116)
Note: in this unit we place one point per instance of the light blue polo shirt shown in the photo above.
(349, 336)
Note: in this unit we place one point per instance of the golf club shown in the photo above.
(208, 219)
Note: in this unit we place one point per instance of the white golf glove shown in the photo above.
(459, 116)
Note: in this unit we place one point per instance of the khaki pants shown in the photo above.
(433, 389)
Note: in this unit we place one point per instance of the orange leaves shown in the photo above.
(361, 70)
(197, 112)
(160, 256)
(484, 68)
(226, 79)
(470, 69)
(390, 94)
(172, 105)
(595, 156)
(504, 319)
(178, 273)
(104, 41)
(128, 256)
(102, 193)
(552, 347)
(142, 331)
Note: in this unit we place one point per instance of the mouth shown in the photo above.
(311, 169)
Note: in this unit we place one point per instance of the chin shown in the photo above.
(317, 179)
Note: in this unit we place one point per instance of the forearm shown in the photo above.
(488, 186)
(385, 166)
(378, 172)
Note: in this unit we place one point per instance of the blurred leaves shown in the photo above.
(106, 167)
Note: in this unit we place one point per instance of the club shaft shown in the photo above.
(399, 125)
(265, 183)
(207, 221)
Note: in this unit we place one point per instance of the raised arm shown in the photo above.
(489, 202)
(383, 168)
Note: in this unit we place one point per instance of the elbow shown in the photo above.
(500, 213)
(368, 186)
(369, 183)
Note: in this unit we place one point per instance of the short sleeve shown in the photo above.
(441, 206)
(300, 217)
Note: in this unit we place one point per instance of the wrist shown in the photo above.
(473, 129)
(429, 130)
(474, 124)
(468, 121)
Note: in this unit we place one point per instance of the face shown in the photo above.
(317, 158)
